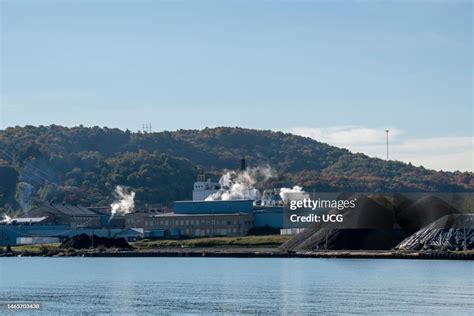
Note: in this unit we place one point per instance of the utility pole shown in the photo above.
(146, 128)
(386, 131)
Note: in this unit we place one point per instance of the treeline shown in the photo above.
(82, 165)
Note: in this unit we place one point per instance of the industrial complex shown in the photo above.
(54, 222)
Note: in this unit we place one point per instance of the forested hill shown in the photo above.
(82, 165)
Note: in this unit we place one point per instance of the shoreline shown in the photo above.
(251, 252)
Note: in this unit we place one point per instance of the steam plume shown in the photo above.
(241, 185)
(6, 219)
(24, 192)
(295, 193)
(124, 202)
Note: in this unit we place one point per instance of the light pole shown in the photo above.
(386, 131)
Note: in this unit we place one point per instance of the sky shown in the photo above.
(340, 72)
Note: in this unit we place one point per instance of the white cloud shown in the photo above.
(346, 135)
(439, 153)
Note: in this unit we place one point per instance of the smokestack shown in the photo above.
(243, 164)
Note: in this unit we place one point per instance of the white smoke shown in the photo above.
(124, 202)
(24, 193)
(241, 185)
(6, 219)
(295, 193)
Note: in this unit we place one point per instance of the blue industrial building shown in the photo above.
(268, 216)
(263, 215)
(213, 207)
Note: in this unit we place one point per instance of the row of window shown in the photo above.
(190, 222)
(84, 218)
(193, 222)
(209, 232)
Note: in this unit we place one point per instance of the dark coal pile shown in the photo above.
(423, 212)
(368, 226)
(451, 232)
(84, 241)
(353, 239)
(374, 224)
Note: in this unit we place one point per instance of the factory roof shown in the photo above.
(101, 210)
(150, 211)
(129, 232)
(72, 210)
(196, 214)
(27, 220)
(215, 201)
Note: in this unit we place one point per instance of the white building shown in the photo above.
(202, 188)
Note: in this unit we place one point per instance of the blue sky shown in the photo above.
(314, 68)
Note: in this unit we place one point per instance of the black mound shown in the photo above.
(368, 226)
(451, 232)
(353, 239)
(84, 241)
(424, 212)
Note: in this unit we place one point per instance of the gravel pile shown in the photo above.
(374, 224)
(424, 212)
(451, 232)
(368, 226)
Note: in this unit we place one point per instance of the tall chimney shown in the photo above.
(243, 164)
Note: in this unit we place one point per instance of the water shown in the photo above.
(140, 286)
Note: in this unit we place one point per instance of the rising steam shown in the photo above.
(241, 185)
(6, 219)
(295, 193)
(23, 197)
(124, 202)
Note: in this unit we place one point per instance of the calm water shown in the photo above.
(138, 286)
